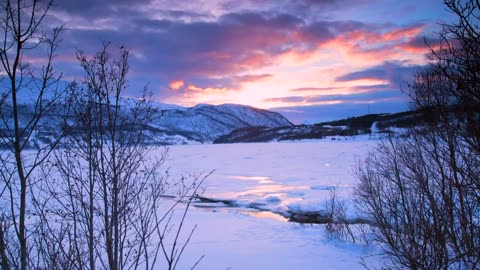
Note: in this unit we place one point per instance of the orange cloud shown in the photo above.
(176, 85)
(208, 90)
(192, 87)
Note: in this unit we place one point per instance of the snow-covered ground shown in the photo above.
(275, 177)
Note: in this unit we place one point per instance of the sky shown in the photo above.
(311, 60)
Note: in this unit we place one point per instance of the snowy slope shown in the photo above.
(210, 121)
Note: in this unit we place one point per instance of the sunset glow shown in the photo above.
(310, 60)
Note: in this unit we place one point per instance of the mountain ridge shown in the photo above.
(365, 124)
(211, 121)
(171, 124)
(234, 123)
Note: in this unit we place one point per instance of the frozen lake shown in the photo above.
(274, 177)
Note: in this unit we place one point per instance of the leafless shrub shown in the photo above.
(109, 186)
(338, 225)
(422, 192)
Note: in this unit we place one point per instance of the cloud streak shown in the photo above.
(397, 74)
(365, 97)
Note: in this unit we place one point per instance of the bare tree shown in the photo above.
(29, 96)
(109, 193)
(423, 192)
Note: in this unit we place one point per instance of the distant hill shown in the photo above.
(367, 124)
(384, 121)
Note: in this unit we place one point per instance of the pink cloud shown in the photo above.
(176, 85)
(366, 46)
(396, 34)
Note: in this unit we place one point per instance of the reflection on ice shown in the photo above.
(276, 176)
(237, 216)
(264, 190)
(264, 214)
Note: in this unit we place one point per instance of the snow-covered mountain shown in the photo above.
(172, 124)
(205, 123)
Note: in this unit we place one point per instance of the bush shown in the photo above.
(338, 225)
(422, 192)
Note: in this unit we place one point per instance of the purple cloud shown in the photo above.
(397, 74)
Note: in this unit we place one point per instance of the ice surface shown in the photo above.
(262, 180)
(245, 241)
(274, 177)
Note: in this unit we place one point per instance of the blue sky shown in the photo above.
(311, 60)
